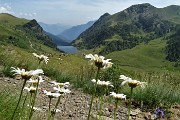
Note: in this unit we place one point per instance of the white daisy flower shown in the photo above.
(26, 74)
(132, 83)
(99, 61)
(66, 84)
(51, 94)
(35, 80)
(41, 58)
(102, 83)
(31, 89)
(118, 96)
(61, 90)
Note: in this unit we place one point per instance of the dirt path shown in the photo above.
(74, 106)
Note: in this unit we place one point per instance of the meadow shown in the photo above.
(162, 89)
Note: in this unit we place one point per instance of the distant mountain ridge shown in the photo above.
(57, 40)
(128, 28)
(54, 28)
(73, 32)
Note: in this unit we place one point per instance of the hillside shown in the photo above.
(23, 33)
(73, 32)
(138, 41)
(59, 41)
(144, 57)
(128, 28)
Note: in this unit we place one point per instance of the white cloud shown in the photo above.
(8, 7)
(27, 15)
(4, 10)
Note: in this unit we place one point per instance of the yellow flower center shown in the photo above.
(133, 84)
(26, 75)
(99, 64)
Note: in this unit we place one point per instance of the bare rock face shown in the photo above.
(33, 25)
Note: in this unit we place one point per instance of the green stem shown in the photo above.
(129, 108)
(33, 102)
(23, 106)
(115, 109)
(19, 99)
(57, 103)
(94, 93)
(100, 111)
(49, 110)
(31, 99)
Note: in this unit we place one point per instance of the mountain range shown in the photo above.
(137, 24)
(139, 37)
(25, 33)
(54, 29)
(73, 32)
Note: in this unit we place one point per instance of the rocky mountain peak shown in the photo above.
(33, 25)
(140, 8)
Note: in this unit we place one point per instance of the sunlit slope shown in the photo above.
(11, 20)
(144, 57)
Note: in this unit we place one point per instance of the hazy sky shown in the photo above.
(71, 12)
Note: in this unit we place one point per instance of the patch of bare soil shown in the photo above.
(75, 106)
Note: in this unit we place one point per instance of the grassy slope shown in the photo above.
(24, 58)
(144, 57)
(23, 55)
(11, 20)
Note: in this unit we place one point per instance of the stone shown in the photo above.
(135, 112)
(107, 113)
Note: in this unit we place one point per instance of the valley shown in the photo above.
(140, 42)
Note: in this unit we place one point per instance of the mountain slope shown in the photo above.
(59, 41)
(6, 18)
(73, 32)
(144, 57)
(128, 28)
(23, 33)
(54, 28)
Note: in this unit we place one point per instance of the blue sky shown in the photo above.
(71, 12)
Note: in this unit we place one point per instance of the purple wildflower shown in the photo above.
(159, 112)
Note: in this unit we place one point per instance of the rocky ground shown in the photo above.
(74, 106)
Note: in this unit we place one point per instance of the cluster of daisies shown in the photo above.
(101, 62)
(32, 81)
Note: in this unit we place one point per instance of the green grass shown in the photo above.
(145, 62)
(8, 101)
(11, 20)
(144, 57)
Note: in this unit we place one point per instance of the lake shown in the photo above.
(68, 49)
